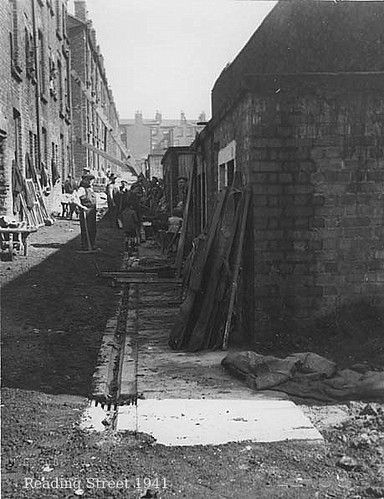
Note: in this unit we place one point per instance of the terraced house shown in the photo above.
(35, 104)
(97, 144)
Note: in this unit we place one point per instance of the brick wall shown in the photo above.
(316, 165)
(18, 92)
(317, 172)
(5, 172)
(95, 118)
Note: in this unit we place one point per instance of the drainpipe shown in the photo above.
(37, 94)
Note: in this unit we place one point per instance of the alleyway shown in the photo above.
(50, 349)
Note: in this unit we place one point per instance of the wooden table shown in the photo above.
(14, 239)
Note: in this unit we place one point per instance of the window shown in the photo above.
(60, 84)
(67, 86)
(62, 152)
(227, 166)
(30, 150)
(36, 152)
(44, 139)
(50, 7)
(14, 40)
(33, 155)
(69, 161)
(42, 64)
(54, 161)
(64, 20)
(30, 69)
(18, 137)
(58, 19)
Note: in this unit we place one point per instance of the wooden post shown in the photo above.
(181, 245)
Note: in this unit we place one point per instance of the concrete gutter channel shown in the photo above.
(179, 398)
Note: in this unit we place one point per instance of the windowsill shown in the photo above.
(58, 34)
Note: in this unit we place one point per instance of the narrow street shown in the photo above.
(52, 382)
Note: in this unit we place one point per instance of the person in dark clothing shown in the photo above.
(68, 206)
(129, 221)
(111, 191)
(70, 185)
(87, 205)
(120, 195)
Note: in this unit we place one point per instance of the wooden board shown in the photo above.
(149, 280)
(180, 333)
(202, 331)
(181, 244)
(236, 271)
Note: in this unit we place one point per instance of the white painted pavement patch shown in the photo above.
(184, 422)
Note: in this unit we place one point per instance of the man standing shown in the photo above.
(111, 192)
(87, 205)
(67, 200)
(70, 185)
(121, 195)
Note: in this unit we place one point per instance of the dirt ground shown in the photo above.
(54, 310)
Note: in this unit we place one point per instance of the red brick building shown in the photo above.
(299, 116)
(96, 136)
(35, 110)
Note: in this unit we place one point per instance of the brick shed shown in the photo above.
(299, 115)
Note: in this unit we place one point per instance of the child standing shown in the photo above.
(130, 223)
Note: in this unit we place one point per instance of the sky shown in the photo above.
(166, 54)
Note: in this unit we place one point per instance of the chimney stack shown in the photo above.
(81, 11)
(158, 117)
(93, 38)
(138, 117)
(202, 117)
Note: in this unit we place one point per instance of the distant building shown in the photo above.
(145, 136)
(35, 104)
(97, 144)
(154, 167)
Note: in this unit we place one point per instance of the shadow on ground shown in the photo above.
(54, 310)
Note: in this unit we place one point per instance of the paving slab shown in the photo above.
(186, 422)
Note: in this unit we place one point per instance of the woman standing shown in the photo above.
(87, 204)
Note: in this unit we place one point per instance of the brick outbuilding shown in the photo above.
(299, 116)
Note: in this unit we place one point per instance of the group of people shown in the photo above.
(125, 209)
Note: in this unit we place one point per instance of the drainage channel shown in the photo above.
(115, 378)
